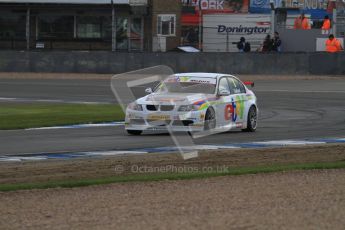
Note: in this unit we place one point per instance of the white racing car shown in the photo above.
(194, 102)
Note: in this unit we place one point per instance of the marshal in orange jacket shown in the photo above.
(333, 45)
(302, 22)
(326, 24)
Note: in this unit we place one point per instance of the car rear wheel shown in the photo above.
(210, 119)
(252, 120)
(134, 132)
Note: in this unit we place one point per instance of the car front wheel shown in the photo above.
(210, 119)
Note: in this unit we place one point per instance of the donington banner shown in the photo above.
(221, 32)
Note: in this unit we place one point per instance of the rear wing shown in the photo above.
(249, 83)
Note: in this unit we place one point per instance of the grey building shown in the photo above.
(117, 25)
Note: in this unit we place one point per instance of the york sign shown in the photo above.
(206, 4)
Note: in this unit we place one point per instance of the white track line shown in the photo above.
(80, 126)
(301, 91)
(7, 98)
(73, 155)
(288, 142)
(69, 156)
(19, 159)
(113, 153)
(51, 101)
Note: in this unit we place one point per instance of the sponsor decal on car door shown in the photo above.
(224, 100)
(235, 110)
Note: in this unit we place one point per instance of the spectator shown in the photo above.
(302, 22)
(241, 44)
(247, 47)
(277, 42)
(191, 37)
(333, 45)
(267, 44)
(326, 26)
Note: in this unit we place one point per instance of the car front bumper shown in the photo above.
(175, 121)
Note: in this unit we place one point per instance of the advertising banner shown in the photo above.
(316, 8)
(218, 6)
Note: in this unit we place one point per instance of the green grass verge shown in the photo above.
(20, 116)
(172, 176)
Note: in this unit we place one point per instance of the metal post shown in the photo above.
(129, 33)
(36, 24)
(200, 25)
(334, 26)
(273, 21)
(142, 34)
(227, 41)
(75, 27)
(113, 27)
(27, 29)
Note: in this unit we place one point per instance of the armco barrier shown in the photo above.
(112, 62)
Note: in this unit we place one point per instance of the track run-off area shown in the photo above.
(291, 108)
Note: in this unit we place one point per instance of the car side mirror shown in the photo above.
(148, 91)
(223, 93)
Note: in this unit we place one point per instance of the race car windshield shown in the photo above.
(192, 85)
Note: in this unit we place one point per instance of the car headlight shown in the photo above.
(135, 106)
(187, 108)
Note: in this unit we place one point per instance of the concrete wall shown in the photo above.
(297, 40)
(236, 63)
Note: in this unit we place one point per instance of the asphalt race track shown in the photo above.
(289, 109)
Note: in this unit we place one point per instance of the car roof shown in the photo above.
(200, 74)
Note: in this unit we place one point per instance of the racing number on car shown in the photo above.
(230, 112)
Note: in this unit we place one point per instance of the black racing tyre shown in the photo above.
(210, 119)
(252, 120)
(134, 132)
